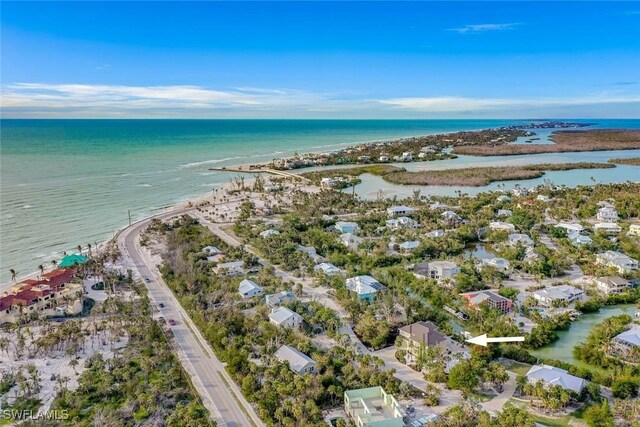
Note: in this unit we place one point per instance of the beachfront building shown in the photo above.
(502, 226)
(249, 289)
(621, 262)
(274, 300)
(347, 227)
(366, 287)
(516, 239)
(72, 260)
(612, 284)
(489, 298)
(607, 214)
(627, 344)
(402, 222)
(498, 263)
(298, 362)
(53, 295)
(556, 296)
(268, 233)
(578, 239)
(607, 227)
(351, 241)
(328, 269)
(233, 268)
(285, 318)
(437, 270)
(634, 230)
(550, 376)
(373, 407)
(398, 211)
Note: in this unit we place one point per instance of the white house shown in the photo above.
(311, 251)
(519, 191)
(611, 284)
(298, 362)
(328, 269)
(438, 205)
(233, 268)
(558, 294)
(436, 270)
(578, 239)
(515, 239)
(570, 227)
(274, 300)
(211, 251)
(435, 233)
(502, 226)
(550, 376)
(409, 245)
(396, 211)
(269, 232)
(347, 227)
(499, 264)
(607, 214)
(450, 216)
(608, 227)
(503, 213)
(249, 288)
(543, 198)
(619, 261)
(351, 241)
(634, 230)
(402, 222)
(503, 198)
(365, 286)
(628, 341)
(285, 318)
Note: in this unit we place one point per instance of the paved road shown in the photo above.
(496, 404)
(219, 393)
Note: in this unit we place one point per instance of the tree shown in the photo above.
(463, 377)
(514, 417)
(14, 274)
(599, 415)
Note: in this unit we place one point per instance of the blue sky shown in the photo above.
(321, 59)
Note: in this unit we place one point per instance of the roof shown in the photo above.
(277, 298)
(400, 209)
(326, 267)
(551, 375)
(632, 336)
(247, 286)
(364, 285)
(612, 255)
(211, 250)
(297, 360)
(613, 281)
(281, 314)
(478, 297)
(424, 332)
(411, 244)
(559, 292)
(73, 259)
(347, 237)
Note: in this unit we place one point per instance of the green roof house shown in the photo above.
(71, 260)
(373, 407)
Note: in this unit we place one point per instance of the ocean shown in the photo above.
(65, 183)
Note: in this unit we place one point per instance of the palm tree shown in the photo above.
(79, 249)
(41, 268)
(54, 264)
(14, 274)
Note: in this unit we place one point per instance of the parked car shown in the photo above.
(172, 322)
(161, 305)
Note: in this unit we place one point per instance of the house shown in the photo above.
(519, 191)
(435, 233)
(436, 270)
(328, 269)
(383, 159)
(502, 226)
(397, 211)
(233, 268)
(516, 239)
(634, 230)
(450, 216)
(72, 259)
(351, 241)
(311, 251)
(628, 343)
(498, 263)
(550, 376)
(503, 198)
(607, 214)
(347, 227)
(608, 227)
(373, 407)
(269, 232)
(612, 284)
(274, 300)
(406, 156)
(578, 239)
(503, 213)
(211, 251)
(285, 318)
(558, 295)
(298, 362)
(402, 222)
(438, 205)
(249, 289)
(543, 198)
(365, 286)
(405, 246)
(491, 298)
(570, 227)
(617, 260)
(420, 333)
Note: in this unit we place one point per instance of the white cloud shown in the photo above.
(483, 28)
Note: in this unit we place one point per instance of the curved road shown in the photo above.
(219, 393)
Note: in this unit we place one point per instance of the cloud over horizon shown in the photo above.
(483, 28)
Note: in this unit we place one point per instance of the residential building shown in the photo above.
(249, 289)
(607, 214)
(274, 300)
(502, 226)
(298, 362)
(438, 205)
(504, 212)
(634, 230)
(627, 344)
(498, 263)
(519, 191)
(612, 284)
(608, 227)
(617, 260)
(233, 268)
(543, 198)
(550, 376)
(211, 251)
(515, 239)
(491, 298)
(328, 269)
(365, 286)
(436, 270)
(578, 239)
(558, 295)
(373, 407)
(451, 216)
(407, 246)
(402, 222)
(435, 233)
(285, 318)
(351, 241)
(420, 333)
(397, 211)
(311, 251)
(503, 198)
(570, 227)
(347, 227)
(269, 232)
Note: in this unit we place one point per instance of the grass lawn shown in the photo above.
(549, 422)
(516, 367)
(481, 397)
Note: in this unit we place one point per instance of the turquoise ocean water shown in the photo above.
(70, 182)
